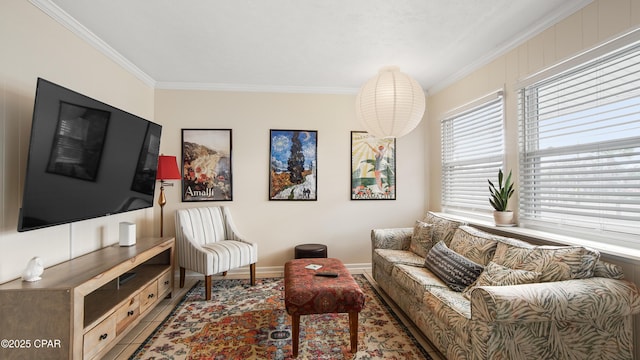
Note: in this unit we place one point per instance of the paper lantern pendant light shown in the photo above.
(391, 104)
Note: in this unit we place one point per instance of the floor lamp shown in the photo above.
(167, 170)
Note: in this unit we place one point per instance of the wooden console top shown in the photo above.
(71, 274)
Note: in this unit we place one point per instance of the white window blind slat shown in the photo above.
(472, 152)
(579, 139)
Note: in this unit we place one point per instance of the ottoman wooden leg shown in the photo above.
(295, 336)
(353, 330)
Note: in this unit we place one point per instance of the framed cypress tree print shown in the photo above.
(293, 165)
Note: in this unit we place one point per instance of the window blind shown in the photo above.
(472, 152)
(579, 138)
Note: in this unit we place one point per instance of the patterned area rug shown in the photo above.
(245, 322)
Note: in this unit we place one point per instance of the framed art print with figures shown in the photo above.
(373, 167)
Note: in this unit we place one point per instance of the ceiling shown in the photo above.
(320, 46)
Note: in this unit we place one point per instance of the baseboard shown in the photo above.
(262, 271)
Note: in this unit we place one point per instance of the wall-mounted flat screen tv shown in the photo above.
(86, 159)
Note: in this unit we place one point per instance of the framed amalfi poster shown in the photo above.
(206, 165)
(373, 167)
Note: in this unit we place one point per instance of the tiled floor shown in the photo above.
(128, 345)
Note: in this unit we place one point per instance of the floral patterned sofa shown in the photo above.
(477, 295)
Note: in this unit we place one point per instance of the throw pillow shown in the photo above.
(443, 228)
(421, 238)
(452, 268)
(498, 275)
(476, 245)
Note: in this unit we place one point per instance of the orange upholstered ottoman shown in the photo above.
(306, 293)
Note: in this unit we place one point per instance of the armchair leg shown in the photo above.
(182, 271)
(252, 273)
(207, 287)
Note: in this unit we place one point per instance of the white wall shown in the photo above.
(594, 24)
(33, 45)
(277, 226)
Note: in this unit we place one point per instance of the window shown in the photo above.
(580, 147)
(472, 152)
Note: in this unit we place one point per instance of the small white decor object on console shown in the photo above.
(34, 270)
(127, 234)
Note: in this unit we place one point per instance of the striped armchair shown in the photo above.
(207, 242)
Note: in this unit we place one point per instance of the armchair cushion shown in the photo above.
(230, 254)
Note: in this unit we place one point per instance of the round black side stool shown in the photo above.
(306, 251)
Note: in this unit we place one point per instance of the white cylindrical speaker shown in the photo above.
(127, 234)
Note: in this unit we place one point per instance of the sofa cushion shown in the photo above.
(415, 280)
(455, 270)
(443, 228)
(608, 270)
(498, 275)
(454, 300)
(388, 258)
(476, 245)
(421, 238)
(555, 263)
(512, 253)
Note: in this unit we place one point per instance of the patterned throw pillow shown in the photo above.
(498, 275)
(476, 245)
(443, 228)
(452, 268)
(421, 238)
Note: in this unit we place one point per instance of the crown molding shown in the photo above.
(63, 18)
(567, 9)
(255, 88)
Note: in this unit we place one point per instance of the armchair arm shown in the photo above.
(190, 255)
(230, 227)
(575, 300)
(395, 239)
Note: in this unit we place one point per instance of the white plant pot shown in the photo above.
(503, 218)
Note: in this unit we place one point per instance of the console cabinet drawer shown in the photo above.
(164, 283)
(127, 313)
(148, 296)
(99, 337)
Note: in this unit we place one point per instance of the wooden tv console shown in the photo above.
(81, 307)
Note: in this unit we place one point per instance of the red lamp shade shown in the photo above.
(167, 168)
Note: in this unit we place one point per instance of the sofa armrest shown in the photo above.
(395, 239)
(575, 300)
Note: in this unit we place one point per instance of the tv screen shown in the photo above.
(86, 159)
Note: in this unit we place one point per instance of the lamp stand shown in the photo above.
(162, 200)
